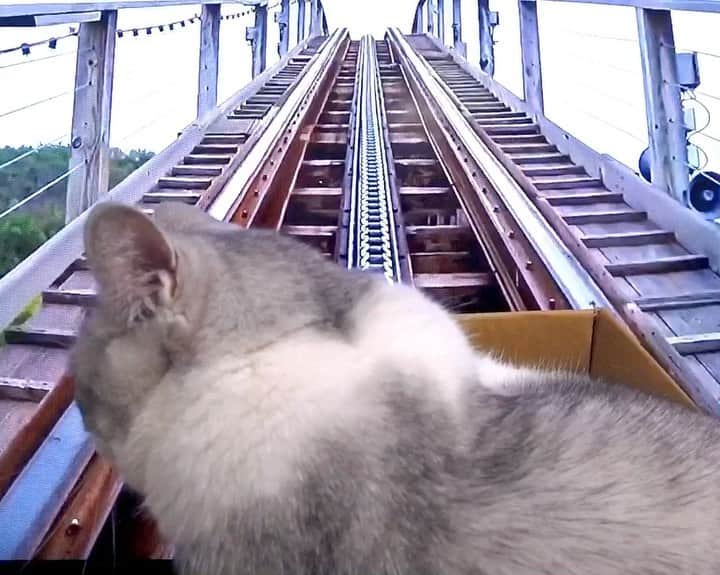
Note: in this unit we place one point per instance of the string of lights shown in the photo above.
(26, 47)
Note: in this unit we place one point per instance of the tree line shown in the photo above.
(23, 231)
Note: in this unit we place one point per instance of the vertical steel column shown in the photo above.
(301, 21)
(459, 45)
(530, 48)
(90, 139)
(441, 20)
(257, 35)
(283, 22)
(485, 27)
(209, 54)
(663, 107)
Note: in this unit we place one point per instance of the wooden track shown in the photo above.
(634, 259)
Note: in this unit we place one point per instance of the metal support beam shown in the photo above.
(325, 28)
(666, 131)
(441, 20)
(257, 35)
(485, 28)
(530, 49)
(431, 19)
(209, 53)
(315, 18)
(283, 22)
(460, 46)
(301, 21)
(90, 138)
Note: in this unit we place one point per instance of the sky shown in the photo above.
(590, 62)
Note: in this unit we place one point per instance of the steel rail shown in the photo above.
(226, 201)
(575, 283)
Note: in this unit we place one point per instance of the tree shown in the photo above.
(23, 232)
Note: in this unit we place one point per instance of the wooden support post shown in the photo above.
(209, 53)
(530, 49)
(325, 29)
(441, 20)
(301, 21)
(90, 139)
(458, 43)
(315, 18)
(485, 27)
(420, 18)
(663, 107)
(431, 18)
(258, 39)
(283, 22)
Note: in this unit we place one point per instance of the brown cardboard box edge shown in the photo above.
(585, 341)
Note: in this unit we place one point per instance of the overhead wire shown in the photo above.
(42, 190)
(43, 101)
(31, 151)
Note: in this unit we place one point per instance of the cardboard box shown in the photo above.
(591, 342)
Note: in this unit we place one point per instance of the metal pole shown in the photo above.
(530, 48)
(209, 53)
(663, 107)
(301, 21)
(459, 45)
(90, 139)
(487, 50)
(283, 21)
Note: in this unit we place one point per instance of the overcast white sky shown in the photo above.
(591, 68)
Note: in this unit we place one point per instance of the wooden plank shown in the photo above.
(185, 182)
(23, 389)
(56, 337)
(659, 265)
(638, 238)
(453, 280)
(530, 55)
(208, 66)
(663, 107)
(697, 343)
(682, 301)
(584, 198)
(82, 297)
(611, 216)
(564, 182)
(92, 108)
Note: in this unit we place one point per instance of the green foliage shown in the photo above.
(23, 232)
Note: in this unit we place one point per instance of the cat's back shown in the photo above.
(574, 472)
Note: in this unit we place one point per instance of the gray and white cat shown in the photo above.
(283, 415)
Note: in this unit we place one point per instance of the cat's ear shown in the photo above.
(133, 261)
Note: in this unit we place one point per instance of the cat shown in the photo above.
(281, 414)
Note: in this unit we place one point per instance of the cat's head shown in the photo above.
(180, 290)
